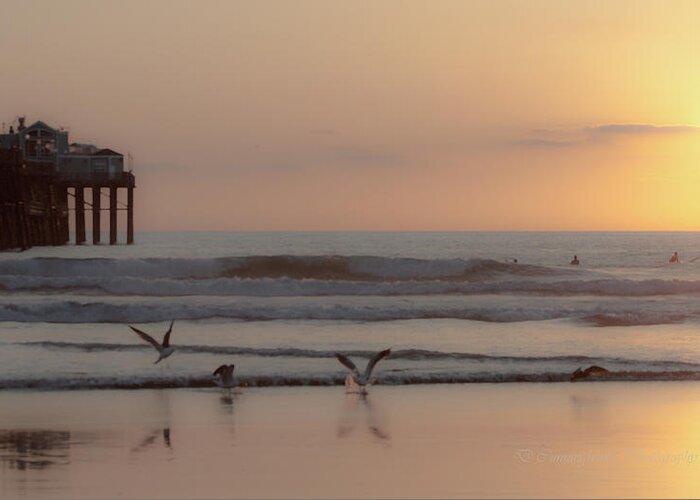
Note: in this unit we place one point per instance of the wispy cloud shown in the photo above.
(640, 129)
(545, 143)
(358, 157)
(553, 139)
(323, 131)
(319, 157)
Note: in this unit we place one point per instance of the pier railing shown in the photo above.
(96, 179)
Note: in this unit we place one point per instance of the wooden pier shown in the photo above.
(76, 188)
(34, 207)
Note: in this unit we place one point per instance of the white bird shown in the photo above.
(362, 380)
(164, 349)
(225, 376)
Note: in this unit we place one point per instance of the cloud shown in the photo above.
(544, 143)
(313, 158)
(323, 131)
(553, 139)
(353, 156)
(640, 129)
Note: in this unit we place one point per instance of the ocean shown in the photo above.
(453, 307)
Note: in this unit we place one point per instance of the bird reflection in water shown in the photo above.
(227, 401)
(228, 397)
(161, 409)
(589, 409)
(358, 407)
(34, 450)
(152, 437)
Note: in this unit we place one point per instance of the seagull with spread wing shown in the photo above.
(164, 349)
(355, 378)
(224, 376)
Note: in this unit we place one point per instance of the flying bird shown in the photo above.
(224, 376)
(164, 349)
(365, 379)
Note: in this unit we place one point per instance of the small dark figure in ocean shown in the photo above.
(515, 261)
(674, 258)
(575, 261)
(592, 371)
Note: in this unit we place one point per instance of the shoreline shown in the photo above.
(206, 383)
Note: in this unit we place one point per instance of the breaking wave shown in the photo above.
(318, 367)
(173, 382)
(396, 354)
(300, 276)
(335, 267)
(287, 287)
(606, 313)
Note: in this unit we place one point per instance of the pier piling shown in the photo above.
(79, 216)
(62, 206)
(96, 192)
(112, 215)
(130, 216)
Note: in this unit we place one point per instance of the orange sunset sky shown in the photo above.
(381, 115)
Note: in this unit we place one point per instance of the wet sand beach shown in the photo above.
(611, 439)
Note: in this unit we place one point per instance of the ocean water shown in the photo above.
(454, 307)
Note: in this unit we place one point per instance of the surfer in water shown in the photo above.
(575, 261)
(674, 258)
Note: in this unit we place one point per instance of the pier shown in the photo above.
(33, 207)
(98, 188)
(40, 170)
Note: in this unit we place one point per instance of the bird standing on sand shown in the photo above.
(164, 349)
(364, 380)
(225, 376)
(592, 371)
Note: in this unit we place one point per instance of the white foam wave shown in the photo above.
(287, 287)
(146, 267)
(494, 309)
(298, 267)
(405, 378)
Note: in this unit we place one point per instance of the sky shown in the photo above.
(375, 115)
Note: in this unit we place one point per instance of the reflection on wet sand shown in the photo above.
(358, 407)
(151, 437)
(587, 408)
(23, 450)
(226, 407)
(228, 397)
(435, 441)
(161, 408)
(226, 401)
